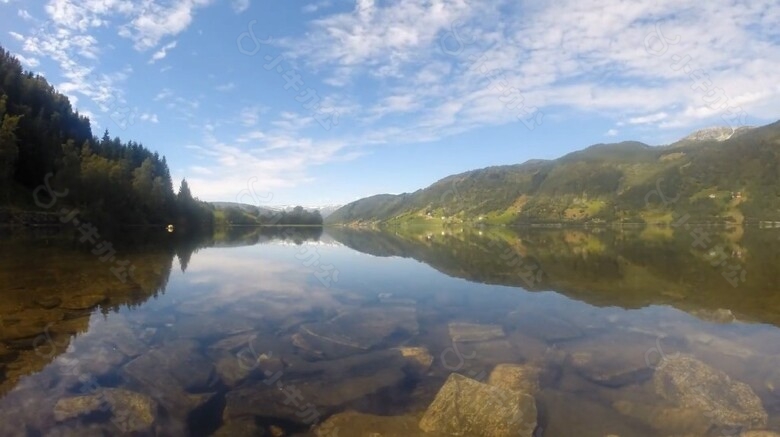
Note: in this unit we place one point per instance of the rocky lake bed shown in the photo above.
(277, 354)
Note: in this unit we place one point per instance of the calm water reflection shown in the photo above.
(259, 329)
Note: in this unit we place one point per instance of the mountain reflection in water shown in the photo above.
(257, 328)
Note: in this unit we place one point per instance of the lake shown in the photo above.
(342, 332)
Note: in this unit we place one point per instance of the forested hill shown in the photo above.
(715, 175)
(108, 180)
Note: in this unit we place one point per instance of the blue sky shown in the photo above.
(328, 101)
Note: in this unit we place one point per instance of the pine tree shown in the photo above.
(9, 151)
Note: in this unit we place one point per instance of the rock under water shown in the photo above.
(464, 407)
(692, 384)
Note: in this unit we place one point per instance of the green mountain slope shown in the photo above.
(711, 176)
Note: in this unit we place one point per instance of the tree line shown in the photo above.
(108, 180)
(252, 216)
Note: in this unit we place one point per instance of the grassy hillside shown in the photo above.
(709, 176)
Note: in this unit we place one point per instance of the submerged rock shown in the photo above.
(363, 364)
(610, 370)
(692, 384)
(322, 340)
(231, 371)
(357, 331)
(674, 421)
(234, 343)
(286, 399)
(75, 429)
(200, 327)
(131, 411)
(464, 406)
(419, 358)
(244, 427)
(153, 372)
(472, 332)
(544, 327)
(354, 424)
(102, 359)
(569, 414)
(306, 349)
(617, 359)
(119, 334)
(183, 360)
(521, 378)
(479, 356)
(724, 346)
(71, 408)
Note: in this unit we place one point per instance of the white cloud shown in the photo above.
(24, 15)
(648, 119)
(251, 136)
(163, 52)
(16, 36)
(378, 36)
(186, 107)
(240, 6)
(271, 162)
(69, 38)
(570, 55)
(78, 15)
(250, 116)
(611, 133)
(77, 54)
(28, 62)
(163, 94)
(151, 118)
(290, 121)
(199, 170)
(157, 21)
(316, 6)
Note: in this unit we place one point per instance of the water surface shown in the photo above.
(282, 329)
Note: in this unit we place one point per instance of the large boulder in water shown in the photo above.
(690, 383)
(522, 378)
(466, 407)
(131, 411)
(472, 332)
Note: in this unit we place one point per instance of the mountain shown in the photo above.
(710, 176)
(327, 210)
(232, 213)
(717, 133)
(244, 207)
